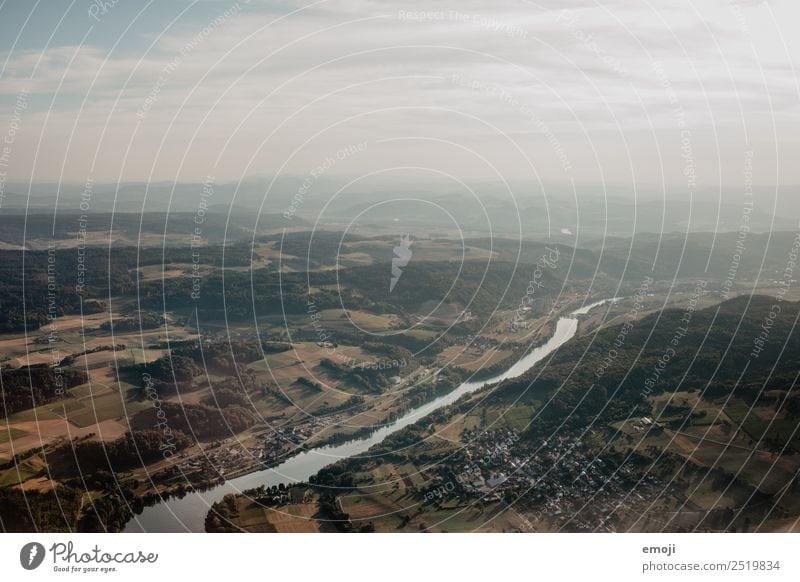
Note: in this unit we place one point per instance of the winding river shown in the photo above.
(188, 513)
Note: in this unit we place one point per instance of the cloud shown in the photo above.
(274, 77)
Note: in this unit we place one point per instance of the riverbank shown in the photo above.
(189, 512)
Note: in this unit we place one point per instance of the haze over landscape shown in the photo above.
(369, 266)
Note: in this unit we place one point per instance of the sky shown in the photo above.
(679, 92)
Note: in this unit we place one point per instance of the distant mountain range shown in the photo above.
(555, 212)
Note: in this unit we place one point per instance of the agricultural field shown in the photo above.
(473, 359)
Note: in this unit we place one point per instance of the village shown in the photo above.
(551, 480)
(226, 460)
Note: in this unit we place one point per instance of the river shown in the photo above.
(189, 512)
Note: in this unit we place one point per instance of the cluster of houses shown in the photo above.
(221, 461)
(479, 344)
(647, 424)
(282, 495)
(558, 480)
(275, 443)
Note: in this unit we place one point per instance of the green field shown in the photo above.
(6, 435)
